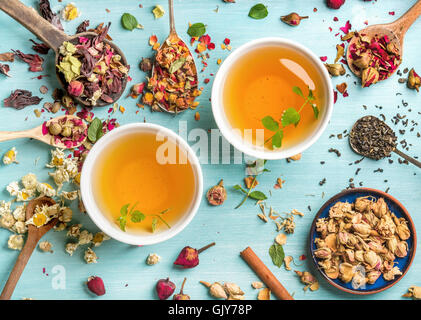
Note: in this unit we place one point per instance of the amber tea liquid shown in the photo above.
(128, 172)
(260, 84)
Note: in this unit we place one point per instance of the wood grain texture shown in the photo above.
(123, 267)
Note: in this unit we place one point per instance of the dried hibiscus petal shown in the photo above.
(33, 60)
(189, 257)
(20, 99)
(47, 14)
(41, 48)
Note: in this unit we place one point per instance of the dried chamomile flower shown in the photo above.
(70, 12)
(13, 188)
(45, 246)
(65, 214)
(257, 285)
(10, 156)
(264, 294)
(85, 237)
(152, 259)
(25, 195)
(40, 217)
(90, 256)
(99, 238)
(74, 231)
(57, 158)
(71, 248)
(413, 292)
(7, 221)
(70, 195)
(20, 227)
(5, 207)
(60, 226)
(60, 176)
(46, 190)
(15, 242)
(29, 181)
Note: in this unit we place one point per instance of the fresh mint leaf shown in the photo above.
(315, 111)
(277, 139)
(196, 30)
(310, 95)
(122, 222)
(257, 195)
(290, 116)
(238, 187)
(129, 22)
(277, 254)
(258, 11)
(270, 123)
(94, 128)
(137, 216)
(124, 210)
(154, 224)
(298, 91)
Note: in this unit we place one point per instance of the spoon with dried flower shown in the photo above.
(373, 138)
(174, 75)
(63, 132)
(34, 235)
(90, 68)
(375, 52)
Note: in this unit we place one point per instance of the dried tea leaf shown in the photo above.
(277, 254)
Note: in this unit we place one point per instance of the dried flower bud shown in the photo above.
(67, 132)
(217, 194)
(56, 107)
(189, 257)
(414, 80)
(216, 290)
(229, 1)
(413, 292)
(335, 69)
(401, 249)
(146, 65)
(233, 289)
(293, 19)
(75, 88)
(54, 129)
(67, 102)
(287, 262)
(181, 295)
(363, 61)
(137, 89)
(335, 4)
(96, 285)
(369, 76)
(392, 49)
(323, 253)
(164, 288)
(372, 276)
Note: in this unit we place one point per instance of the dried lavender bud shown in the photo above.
(20, 99)
(217, 194)
(293, 19)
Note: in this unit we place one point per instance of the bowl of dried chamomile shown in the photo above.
(363, 241)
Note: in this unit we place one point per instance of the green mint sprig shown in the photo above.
(290, 116)
(136, 216)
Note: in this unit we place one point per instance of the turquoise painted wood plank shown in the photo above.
(123, 267)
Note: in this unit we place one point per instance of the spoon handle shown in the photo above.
(32, 21)
(172, 19)
(406, 157)
(11, 135)
(20, 265)
(402, 25)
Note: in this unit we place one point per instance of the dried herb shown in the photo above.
(41, 48)
(372, 138)
(7, 57)
(290, 116)
(20, 99)
(217, 194)
(136, 216)
(95, 130)
(189, 257)
(47, 14)
(196, 30)
(69, 132)
(33, 60)
(276, 252)
(4, 69)
(82, 27)
(129, 22)
(258, 11)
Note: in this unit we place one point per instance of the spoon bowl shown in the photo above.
(54, 38)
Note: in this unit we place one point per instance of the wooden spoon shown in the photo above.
(172, 37)
(54, 38)
(398, 152)
(395, 31)
(34, 235)
(36, 133)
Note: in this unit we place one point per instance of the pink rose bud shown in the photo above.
(189, 257)
(137, 89)
(165, 288)
(75, 88)
(96, 285)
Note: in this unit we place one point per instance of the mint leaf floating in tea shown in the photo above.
(258, 11)
(276, 252)
(289, 116)
(196, 30)
(189, 257)
(137, 216)
(129, 22)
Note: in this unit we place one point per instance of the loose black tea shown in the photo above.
(372, 138)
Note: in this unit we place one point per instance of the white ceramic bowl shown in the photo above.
(218, 105)
(104, 223)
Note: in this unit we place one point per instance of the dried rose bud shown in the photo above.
(369, 76)
(137, 89)
(372, 276)
(306, 277)
(229, 1)
(164, 288)
(217, 194)
(96, 285)
(146, 64)
(335, 69)
(189, 257)
(392, 49)
(75, 88)
(414, 80)
(323, 253)
(335, 4)
(293, 19)
(181, 295)
(54, 128)
(363, 61)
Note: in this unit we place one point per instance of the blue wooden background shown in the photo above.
(123, 267)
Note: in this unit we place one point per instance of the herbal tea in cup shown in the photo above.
(272, 98)
(144, 184)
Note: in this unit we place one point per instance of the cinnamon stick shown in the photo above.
(265, 274)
